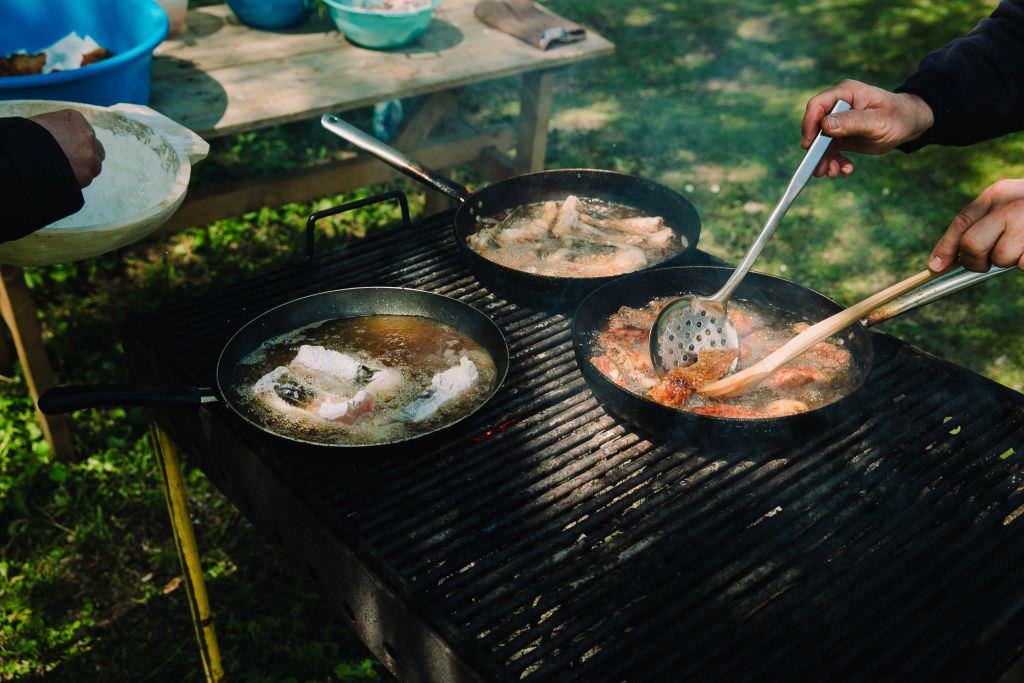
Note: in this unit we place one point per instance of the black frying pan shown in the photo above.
(537, 290)
(638, 289)
(285, 318)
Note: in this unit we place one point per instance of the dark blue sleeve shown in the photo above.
(974, 85)
(37, 185)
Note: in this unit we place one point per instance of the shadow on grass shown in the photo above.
(703, 96)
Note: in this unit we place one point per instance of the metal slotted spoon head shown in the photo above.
(692, 324)
(687, 326)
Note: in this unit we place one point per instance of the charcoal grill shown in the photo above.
(543, 540)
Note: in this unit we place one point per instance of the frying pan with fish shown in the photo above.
(534, 290)
(284, 319)
(640, 288)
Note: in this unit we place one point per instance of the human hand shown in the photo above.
(879, 121)
(988, 231)
(77, 140)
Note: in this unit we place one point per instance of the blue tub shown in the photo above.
(128, 28)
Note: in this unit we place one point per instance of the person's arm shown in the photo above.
(44, 163)
(975, 85)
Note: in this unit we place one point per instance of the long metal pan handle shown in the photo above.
(939, 288)
(799, 181)
(394, 158)
(68, 398)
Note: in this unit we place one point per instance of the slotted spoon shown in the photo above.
(691, 324)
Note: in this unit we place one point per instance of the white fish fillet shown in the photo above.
(330, 378)
(625, 260)
(534, 230)
(660, 239)
(325, 360)
(640, 225)
(586, 233)
(266, 382)
(568, 214)
(444, 387)
(348, 410)
(384, 382)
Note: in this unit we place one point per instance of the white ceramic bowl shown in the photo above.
(125, 202)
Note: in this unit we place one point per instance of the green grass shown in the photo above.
(703, 96)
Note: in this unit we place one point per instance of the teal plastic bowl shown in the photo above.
(271, 15)
(379, 30)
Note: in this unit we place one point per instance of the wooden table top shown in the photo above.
(222, 77)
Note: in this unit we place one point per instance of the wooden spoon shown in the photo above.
(747, 379)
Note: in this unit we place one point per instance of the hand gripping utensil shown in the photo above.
(691, 323)
(892, 301)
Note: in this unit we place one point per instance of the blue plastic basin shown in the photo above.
(271, 14)
(128, 28)
(379, 29)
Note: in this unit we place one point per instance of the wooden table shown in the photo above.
(221, 77)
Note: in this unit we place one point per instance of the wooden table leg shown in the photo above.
(188, 553)
(534, 113)
(19, 312)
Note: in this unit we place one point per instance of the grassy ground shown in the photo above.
(701, 95)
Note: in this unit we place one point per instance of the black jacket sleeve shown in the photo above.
(974, 85)
(37, 185)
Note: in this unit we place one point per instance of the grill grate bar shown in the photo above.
(899, 549)
(700, 493)
(710, 526)
(558, 390)
(882, 531)
(959, 519)
(580, 429)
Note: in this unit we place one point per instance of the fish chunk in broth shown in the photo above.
(364, 380)
(820, 376)
(577, 237)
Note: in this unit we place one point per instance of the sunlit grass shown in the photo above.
(703, 96)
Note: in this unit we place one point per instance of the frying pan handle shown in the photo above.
(939, 288)
(392, 157)
(66, 399)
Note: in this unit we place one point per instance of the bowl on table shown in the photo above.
(130, 29)
(365, 25)
(271, 15)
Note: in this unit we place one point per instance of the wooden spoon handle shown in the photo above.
(747, 379)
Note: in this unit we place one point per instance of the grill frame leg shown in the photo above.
(188, 552)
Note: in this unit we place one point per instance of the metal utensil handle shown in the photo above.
(394, 158)
(939, 288)
(65, 399)
(803, 174)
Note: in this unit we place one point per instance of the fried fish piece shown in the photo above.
(97, 55)
(22, 65)
(712, 364)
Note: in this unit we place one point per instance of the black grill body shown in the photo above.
(545, 540)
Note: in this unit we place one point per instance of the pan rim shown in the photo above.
(728, 422)
(499, 382)
(564, 280)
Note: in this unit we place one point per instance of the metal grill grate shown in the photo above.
(547, 541)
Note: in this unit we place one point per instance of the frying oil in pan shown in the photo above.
(576, 237)
(822, 375)
(393, 358)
